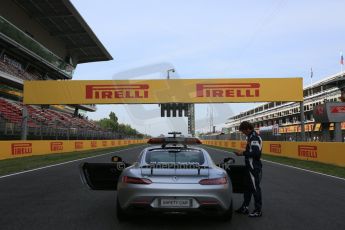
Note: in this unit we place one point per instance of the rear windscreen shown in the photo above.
(165, 156)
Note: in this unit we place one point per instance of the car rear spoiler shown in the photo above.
(153, 166)
(175, 140)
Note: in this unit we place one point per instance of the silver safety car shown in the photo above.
(171, 176)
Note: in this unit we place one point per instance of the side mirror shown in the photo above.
(116, 159)
(229, 160)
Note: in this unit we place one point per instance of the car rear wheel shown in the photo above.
(120, 213)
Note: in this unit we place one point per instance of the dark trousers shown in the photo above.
(253, 188)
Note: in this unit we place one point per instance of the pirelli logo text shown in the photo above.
(228, 90)
(276, 148)
(113, 143)
(78, 145)
(307, 151)
(56, 146)
(233, 144)
(21, 148)
(104, 143)
(243, 145)
(117, 91)
(337, 109)
(93, 144)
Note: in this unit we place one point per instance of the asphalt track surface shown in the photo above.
(54, 198)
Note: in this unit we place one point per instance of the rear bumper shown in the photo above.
(215, 198)
(147, 209)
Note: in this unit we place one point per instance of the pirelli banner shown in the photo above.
(324, 152)
(163, 91)
(16, 149)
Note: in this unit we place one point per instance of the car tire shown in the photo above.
(227, 215)
(120, 213)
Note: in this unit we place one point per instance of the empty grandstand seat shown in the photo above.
(12, 70)
(11, 111)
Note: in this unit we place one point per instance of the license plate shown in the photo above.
(171, 203)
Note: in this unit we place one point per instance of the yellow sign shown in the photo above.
(15, 149)
(325, 152)
(163, 91)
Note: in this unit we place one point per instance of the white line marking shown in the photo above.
(289, 166)
(67, 162)
(306, 170)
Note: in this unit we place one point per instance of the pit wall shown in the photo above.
(15, 149)
(324, 152)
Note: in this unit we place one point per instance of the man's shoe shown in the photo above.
(242, 210)
(255, 213)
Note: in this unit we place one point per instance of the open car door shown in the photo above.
(101, 176)
(239, 178)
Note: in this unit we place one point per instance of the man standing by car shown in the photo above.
(252, 155)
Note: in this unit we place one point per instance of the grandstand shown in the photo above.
(44, 40)
(282, 120)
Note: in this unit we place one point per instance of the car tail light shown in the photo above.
(135, 180)
(208, 202)
(215, 181)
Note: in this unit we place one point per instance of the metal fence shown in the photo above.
(309, 136)
(12, 131)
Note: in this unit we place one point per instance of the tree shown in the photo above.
(113, 117)
(112, 124)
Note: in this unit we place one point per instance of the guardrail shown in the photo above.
(324, 152)
(15, 149)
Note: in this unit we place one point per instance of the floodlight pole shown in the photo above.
(24, 132)
(302, 120)
(168, 71)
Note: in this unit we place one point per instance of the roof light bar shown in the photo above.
(172, 140)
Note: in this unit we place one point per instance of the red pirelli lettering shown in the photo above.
(78, 145)
(275, 148)
(116, 91)
(56, 146)
(228, 90)
(307, 151)
(21, 148)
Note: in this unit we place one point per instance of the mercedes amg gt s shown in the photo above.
(172, 177)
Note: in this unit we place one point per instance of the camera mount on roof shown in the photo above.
(175, 133)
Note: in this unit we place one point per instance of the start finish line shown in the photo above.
(163, 91)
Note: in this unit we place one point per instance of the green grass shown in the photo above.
(25, 163)
(329, 169)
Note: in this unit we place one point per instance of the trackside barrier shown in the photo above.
(15, 149)
(324, 152)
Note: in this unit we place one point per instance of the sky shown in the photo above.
(210, 39)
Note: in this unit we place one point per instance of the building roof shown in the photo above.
(330, 80)
(61, 19)
(335, 80)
